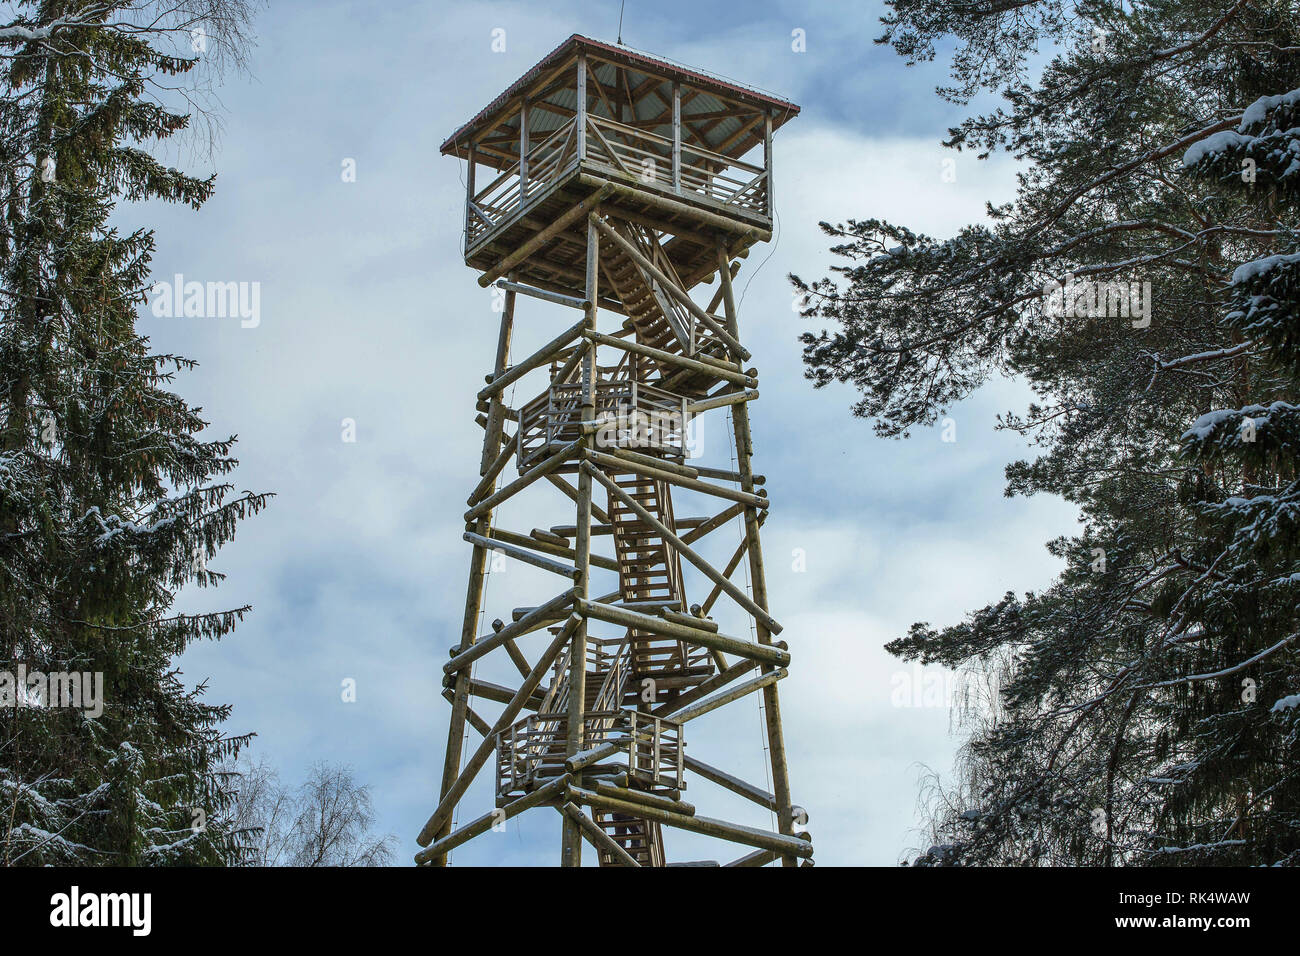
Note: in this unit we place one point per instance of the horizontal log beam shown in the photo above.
(726, 474)
(734, 832)
(535, 361)
(546, 547)
(522, 554)
(642, 797)
(531, 683)
(719, 401)
(690, 484)
(690, 620)
(548, 537)
(732, 783)
(552, 791)
(728, 373)
(534, 619)
(764, 653)
(579, 211)
(597, 837)
(673, 207)
(603, 529)
(708, 570)
(542, 469)
(558, 298)
(499, 694)
(648, 461)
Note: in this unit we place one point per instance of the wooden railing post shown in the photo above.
(581, 117)
(767, 165)
(523, 151)
(492, 441)
(677, 138)
(469, 196)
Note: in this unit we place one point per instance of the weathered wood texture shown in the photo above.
(620, 185)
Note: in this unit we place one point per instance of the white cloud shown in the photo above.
(358, 569)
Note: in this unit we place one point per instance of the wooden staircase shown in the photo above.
(658, 320)
(650, 570)
(641, 839)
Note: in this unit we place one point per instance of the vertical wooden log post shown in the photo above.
(677, 138)
(492, 440)
(571, 844)
(758, 580)
(523, 152)
(581, 118)
(469, 191)
(767, 164)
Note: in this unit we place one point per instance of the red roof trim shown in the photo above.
(578, 40)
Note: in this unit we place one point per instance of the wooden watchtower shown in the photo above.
(616, 184)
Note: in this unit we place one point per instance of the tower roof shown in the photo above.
(714, 113)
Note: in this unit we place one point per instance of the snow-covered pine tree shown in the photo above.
(110, 499)
(1252, 455)
(1118, 733)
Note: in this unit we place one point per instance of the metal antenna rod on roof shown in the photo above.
(621, 7)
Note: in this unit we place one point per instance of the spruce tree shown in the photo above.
(111, 497)
(1252, 520)
(1140, 713)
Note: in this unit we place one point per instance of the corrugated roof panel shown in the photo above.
(704, 101)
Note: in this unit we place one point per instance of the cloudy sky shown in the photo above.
(358, 571)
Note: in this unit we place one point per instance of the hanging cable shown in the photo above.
(776, 241)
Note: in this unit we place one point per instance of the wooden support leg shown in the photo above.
(477, 567)
(757, 858)
(437, 823)
(758, 579)
(552, 791)
(737, 833)
(475, 721)
(596, 836)
(571, 840)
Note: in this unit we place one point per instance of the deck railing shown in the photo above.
(510, 192)
(636, 416)
(627, 153)
(656, 754)
(647, 157)
(650, 749)
(616, 666)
